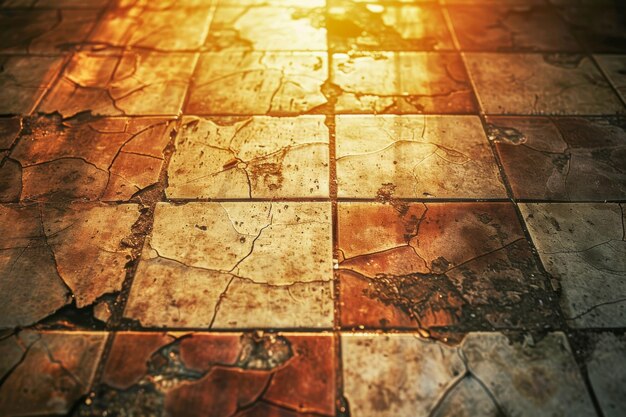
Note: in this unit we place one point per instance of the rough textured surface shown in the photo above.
(607, 372)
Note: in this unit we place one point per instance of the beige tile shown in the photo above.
(583, 247)
(255, 157)
(556, 84)
(131, 82)
(422, 156)
(207, 264)
(402, 375)
(244, 83)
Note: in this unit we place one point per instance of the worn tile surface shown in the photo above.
(607, 372)
(583, 247)
(615, 68)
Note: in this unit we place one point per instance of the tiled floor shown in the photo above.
(340, 208)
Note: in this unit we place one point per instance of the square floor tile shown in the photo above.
(402, 82)
(614, 67)
(254, 157)
(354, 26)
(537, 84)
(24, 80)
(236, 265)
(583, 247)
(243, 83)
(416, 156)
(106, 159)
(438, 265)
(131, 82)
(268, 28)
(511, 28)
(487, 374)
(572, 159)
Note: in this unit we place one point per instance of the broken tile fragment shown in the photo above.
(355, 26)
(556, 84)
(89, 159)
(244, 83)
(254, 157)
(24, 80)
(573, 159)
(250, 265)
(54, 371)
(583, 247)
(606, 367)
(400, 82)
(419, 156)
(419, 377)
(114, 83)
(398, 269)
(203, 374)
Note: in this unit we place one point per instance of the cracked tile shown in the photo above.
(43, 31)
(401, 82)
(614, 67)
(398, 269)
(254, 157)
(53, 256)
(201, 374)
(271, 267)
(107, 159)
(511, 28)
(418, 377)
(601, 28)
(559, 84)
(583, 247)
(244, 83)
(154, 27)
(606, 367)
(354, 26)
(418, 156)
(131, 82)
(571, 159)
(261, 27)
(24, 80)
(52, 372)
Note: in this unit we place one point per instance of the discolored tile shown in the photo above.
(24, 80)
(130, 82)
(558, 84)
(108, 159)
(354, 26)
(54, 256)
(599, 27)
(438, 265)
(572, 159)
(158, 27)
(250, 157)
(202, 374)
(614, 67)
(607, 372)
(415, 157)
(244, 83)
(402, 82)
(236, 265)
(400, 374)
(511, 28)
(53, 371)
(583, 247)
(262, 27)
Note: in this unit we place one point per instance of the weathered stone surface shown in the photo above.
(420, 156)
(559, 84)
(244, 83)
(53, 371)
(217, 261)
(399, 269)
(614, 66)
(571, 159)
(607, 373)
(217, 374)
(583, 247)
(377, 83)
(114, 83)
(402, 375)
(256, 157)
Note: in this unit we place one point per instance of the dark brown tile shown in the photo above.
(599, 29)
